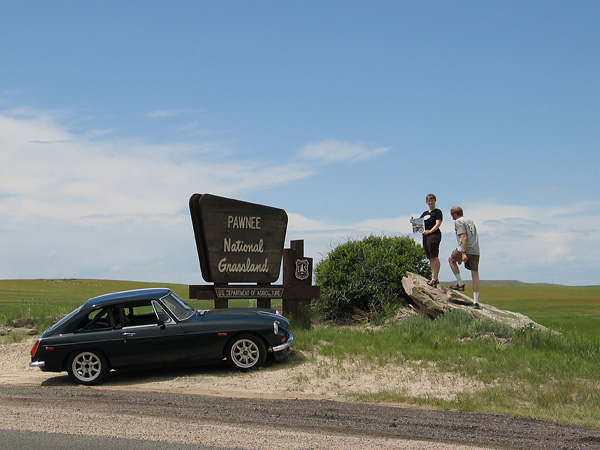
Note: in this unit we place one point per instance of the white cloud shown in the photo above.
(49, 172)
(164, 113)
(530, 244)
(336, 151)
(76, 206)
(299, 223)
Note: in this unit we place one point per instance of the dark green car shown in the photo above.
(156, 328)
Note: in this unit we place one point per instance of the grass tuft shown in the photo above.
(529, 373)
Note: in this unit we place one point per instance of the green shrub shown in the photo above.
(366, 276)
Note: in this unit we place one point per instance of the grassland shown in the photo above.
(525, 372)
(47, 297)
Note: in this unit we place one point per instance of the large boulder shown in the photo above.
(433, 301)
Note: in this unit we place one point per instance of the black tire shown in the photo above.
(87, 367)
(246, 352)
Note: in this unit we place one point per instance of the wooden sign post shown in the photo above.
(297, 273)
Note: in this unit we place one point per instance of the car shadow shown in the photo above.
(164, 374)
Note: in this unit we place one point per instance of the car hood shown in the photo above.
(247, 312)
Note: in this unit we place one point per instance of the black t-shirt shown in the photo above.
(431, 218)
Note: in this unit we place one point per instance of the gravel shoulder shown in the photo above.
(303, 376)
(301, 404)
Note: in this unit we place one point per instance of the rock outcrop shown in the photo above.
(433, 301)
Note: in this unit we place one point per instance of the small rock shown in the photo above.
(23, 322)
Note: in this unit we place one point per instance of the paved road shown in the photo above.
(30, 440)
(250, 423)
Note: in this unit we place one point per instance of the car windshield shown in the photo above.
(180, 309)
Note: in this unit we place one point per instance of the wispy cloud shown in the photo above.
(337, 151)
(164, 113)
(71, 176)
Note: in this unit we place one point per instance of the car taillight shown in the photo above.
(35, 347)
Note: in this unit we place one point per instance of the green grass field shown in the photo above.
(41, 298)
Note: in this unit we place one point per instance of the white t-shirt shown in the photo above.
(462, 225)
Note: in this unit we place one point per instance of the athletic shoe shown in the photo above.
(458, 287)
(476, 306)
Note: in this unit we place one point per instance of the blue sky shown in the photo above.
(344, 113)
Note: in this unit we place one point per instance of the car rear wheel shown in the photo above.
(88, 367)
(246, 352)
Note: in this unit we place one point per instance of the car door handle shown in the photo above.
(129, 334)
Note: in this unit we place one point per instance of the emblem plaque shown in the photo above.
(302, 269)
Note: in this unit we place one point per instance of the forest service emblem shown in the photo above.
(302, 269)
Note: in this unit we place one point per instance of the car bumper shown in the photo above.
(282, 351)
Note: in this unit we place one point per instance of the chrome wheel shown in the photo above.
(247, 352)
(87, 367)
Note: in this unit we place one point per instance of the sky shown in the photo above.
(344, 113)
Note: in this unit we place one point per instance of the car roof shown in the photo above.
(136, 294)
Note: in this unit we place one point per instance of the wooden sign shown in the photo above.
(237, 242)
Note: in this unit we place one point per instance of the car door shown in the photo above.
(150, 337)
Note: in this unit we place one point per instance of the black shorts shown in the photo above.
(431, 244)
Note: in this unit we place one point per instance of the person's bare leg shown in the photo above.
(456, 272)
(435, 268)
(475, 276)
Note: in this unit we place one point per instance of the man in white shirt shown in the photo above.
(467, 252)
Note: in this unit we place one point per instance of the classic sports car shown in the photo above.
(155, 327)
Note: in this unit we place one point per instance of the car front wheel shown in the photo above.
(88, 367)
(246, 352)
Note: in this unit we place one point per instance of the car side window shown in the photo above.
(162, 315)
(146, 313)
(100, 319)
